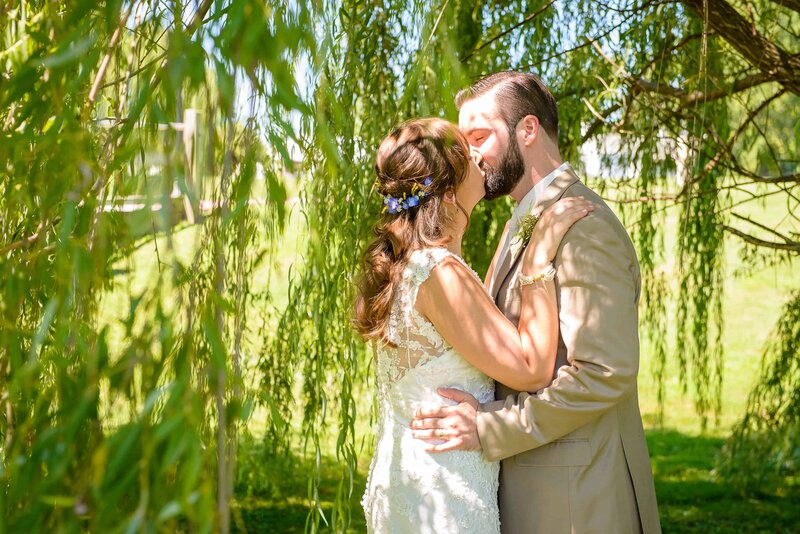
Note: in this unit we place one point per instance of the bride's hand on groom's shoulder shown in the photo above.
(551, 228)
(455, 427)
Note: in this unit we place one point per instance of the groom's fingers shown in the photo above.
(450, 445)
(430, 411)
(421, 424)
(455, 394)
(436, 433)
(461, 397)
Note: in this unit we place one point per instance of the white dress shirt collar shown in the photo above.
(529, 200)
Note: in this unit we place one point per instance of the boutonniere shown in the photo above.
(526, 225)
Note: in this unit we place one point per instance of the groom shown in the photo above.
(574, 456)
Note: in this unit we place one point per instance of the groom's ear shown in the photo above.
(530, 129)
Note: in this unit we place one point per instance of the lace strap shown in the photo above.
(419, 268)
(422, 262)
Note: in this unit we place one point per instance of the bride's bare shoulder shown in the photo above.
(450, 283)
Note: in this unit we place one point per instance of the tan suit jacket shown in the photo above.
(574, 456)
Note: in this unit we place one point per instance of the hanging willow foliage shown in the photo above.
(769, 433)
(123, 379)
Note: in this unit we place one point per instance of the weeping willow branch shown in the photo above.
(24, 242)
(789, 4)
(769, 58)
(689, 98)
(224, 459)
(725, 149)
(502, 34)
(600, 120)
(587, 41)
(669, 49)
(106, 59)
(158, 59)
(775, 180)
(647, 200)
(128, 377)
(793, 246)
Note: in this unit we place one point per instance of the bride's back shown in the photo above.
(417, 359)
(410, 489)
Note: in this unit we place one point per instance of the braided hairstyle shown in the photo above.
(414, 151)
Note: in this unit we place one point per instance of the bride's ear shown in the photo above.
(450, 196)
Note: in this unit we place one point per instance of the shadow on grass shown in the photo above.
(271, 494)
(692, 499)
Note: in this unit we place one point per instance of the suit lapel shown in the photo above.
(500, 270)
(500, 274)
(550, 195)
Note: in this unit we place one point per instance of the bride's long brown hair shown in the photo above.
(412, 152)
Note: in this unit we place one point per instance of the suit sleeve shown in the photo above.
(598, 281)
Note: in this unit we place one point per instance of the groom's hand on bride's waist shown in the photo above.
(455, 427)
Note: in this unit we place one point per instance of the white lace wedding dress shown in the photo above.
(409, 489)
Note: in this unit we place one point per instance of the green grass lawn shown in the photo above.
(692, 500)
(683, 454)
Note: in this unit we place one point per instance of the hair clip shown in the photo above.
(393, 205)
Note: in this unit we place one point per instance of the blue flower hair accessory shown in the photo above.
(395, 205)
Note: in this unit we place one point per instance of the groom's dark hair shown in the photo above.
(518, 94)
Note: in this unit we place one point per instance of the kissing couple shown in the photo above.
(508, 405)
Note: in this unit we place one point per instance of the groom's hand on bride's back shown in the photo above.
(455, 425)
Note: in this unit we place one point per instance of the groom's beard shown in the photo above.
(501, 180)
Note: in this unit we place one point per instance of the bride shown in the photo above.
(436, 326)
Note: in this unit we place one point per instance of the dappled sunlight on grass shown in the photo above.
(691, 499)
